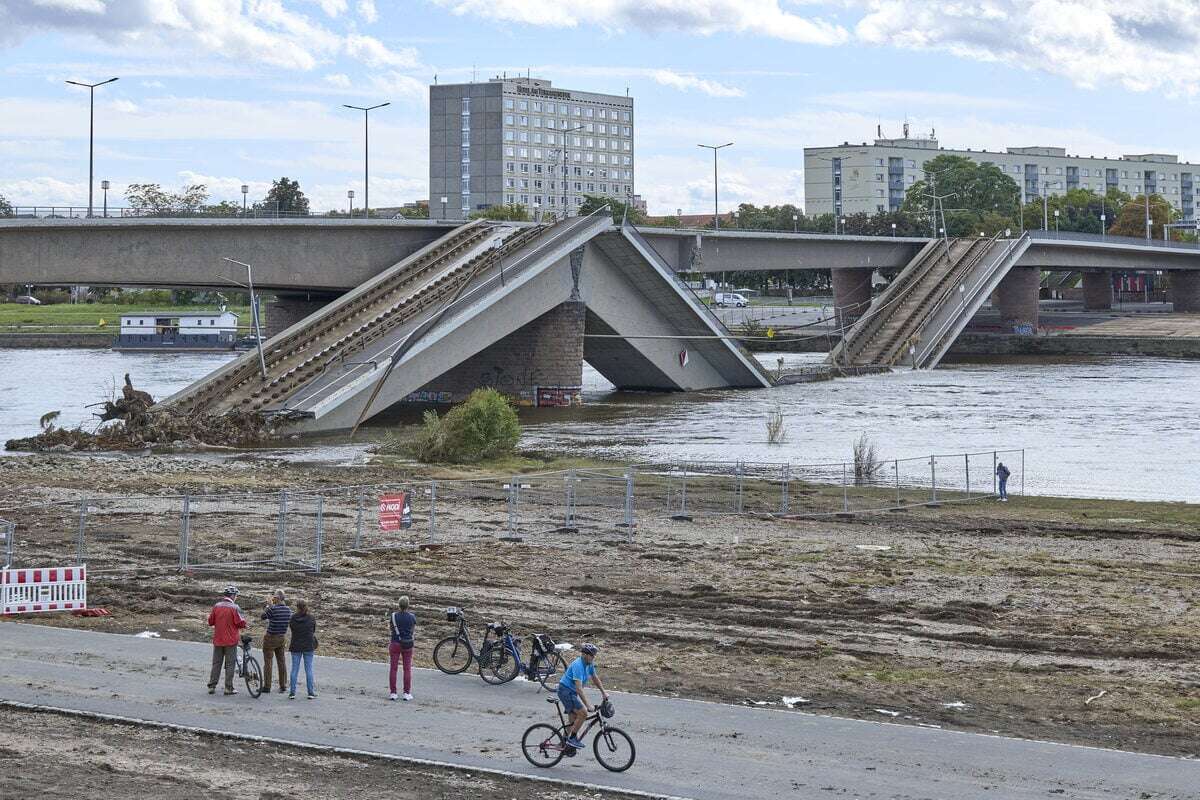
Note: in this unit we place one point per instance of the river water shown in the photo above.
(1104, 427)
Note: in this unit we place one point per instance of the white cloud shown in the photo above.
(261, 31)
(152, 84)
(366, 10)
(675, 80)
(703, 17)
(339, 80)
(1143, 46)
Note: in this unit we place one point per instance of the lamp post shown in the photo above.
(444, 200)
(1056, 222)
(716, 213)
(350, 197)
(245, 191)
(893, 230)
(566, 198)
(843, 226)
(104, 186)
(91, 87)
(1046, 204)
(366, 153)
(795, 223)
(262, 361)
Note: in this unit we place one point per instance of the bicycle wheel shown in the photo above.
(252, 672)
(543, 745)
(548, 668)
(499, 666)
(614, 749)
(452, 655)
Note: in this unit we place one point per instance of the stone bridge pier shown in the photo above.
(285, 310)
(851, 294)
(1097, 290)
(1185, 292)
(1016, 298)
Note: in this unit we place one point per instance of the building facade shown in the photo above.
(520, 140)
(174, 330)
(849, 179)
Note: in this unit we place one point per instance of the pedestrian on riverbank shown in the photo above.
(1002, 473)
(402, 623)
(302, 646)
(227, 621)
(277, 614)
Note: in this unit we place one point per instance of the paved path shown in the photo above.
(685, 748)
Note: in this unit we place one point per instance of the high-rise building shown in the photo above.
(848, 179)
(519, 140)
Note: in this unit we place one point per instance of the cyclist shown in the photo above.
(570, 691)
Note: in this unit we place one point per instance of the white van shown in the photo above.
(734, 299)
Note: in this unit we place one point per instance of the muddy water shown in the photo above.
(1112, 427)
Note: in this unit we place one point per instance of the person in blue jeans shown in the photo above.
(302, 646)
(570, 691)
(1002, 473)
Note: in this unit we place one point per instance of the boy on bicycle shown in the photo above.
(570, 691)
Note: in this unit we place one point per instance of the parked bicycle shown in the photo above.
(545, 745)
(454, 654)
(248, 667)
(500, 659)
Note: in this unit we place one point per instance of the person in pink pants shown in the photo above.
(402, 624)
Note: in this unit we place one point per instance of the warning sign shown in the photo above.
(394, 512)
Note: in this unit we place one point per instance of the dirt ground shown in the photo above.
(48, 755)
(1054, 619)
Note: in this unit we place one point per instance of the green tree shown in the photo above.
(285, 197)
(151, 198)
(418, 211)
(619, 210)
(1131, 219)
(506, 212)
(225, 208)
(6, 208)
(979, 191)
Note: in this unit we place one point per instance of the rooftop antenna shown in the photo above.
(906, 127)
(472, 73)
(435, 79)
(932, 132)
(878, 131)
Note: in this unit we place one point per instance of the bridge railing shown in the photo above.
(115, 212)
(1140, 241)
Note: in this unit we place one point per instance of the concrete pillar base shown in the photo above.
(1097, 290)
(539, 365)
(1016, 299)
(1185, 292)
(851, 294)
(284, 310)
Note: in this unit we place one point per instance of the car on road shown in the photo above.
(726, 299)
(27, 299)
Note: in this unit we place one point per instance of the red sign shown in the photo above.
(394, 512)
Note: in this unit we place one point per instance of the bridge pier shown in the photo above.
(1016, 299)
(1097, 290)
(285, 310)
(1185, 292)
(541, 364)
(851, 294)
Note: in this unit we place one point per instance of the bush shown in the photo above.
(483, 427)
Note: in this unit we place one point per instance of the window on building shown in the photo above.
(466, 138)
(590, 158)
(878, 176)
(537, 122)
(537, 152)
(589, 128)
(578, 186)
(602, 158)
(522, 105)
(625, 116)
(879, 162)
(524, 183)
(626, 146)
(910, 164)
(537, 138)
(523, 152)
(524, 167)
(523, 120)
(509, 166)
(510, 183)
(589, 112)
(1016, 169)
(604, 187)
(537, 106)
(523, 136)
(1058, 170)
(577, 141)
(576, 111)
(537, 168)
(602, 128)
(509, 136)
(576, 156)
(562, 109)
(508, 103)
(626, 160)
(508, 119)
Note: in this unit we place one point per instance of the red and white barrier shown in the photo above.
(28, 591)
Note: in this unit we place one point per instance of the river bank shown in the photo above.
(1048, 618)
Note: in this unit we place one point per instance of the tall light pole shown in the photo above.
(91, 87)
(350, 196)
(245, 190)
(795, 223)
(445, 200)
(366, 151)
(716, 212)
(1046, 203)
(104, 186)
(262, 361)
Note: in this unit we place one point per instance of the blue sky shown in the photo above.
(225, 92)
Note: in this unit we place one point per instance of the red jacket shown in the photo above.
(226, 620)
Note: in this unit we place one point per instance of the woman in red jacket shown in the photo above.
(226, 620)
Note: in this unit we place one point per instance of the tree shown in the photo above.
(284, 197)
(979, 190)
(1131, 219)
(225, 208)
(619, 210)
(507, 212)
(6, 209)
(150, 198)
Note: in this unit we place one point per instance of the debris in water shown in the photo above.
(792, 702)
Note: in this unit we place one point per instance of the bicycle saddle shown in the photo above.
(247, 638)
(553, 700)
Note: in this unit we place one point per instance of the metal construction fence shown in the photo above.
(296, 530)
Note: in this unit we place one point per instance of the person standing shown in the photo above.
(277, 614)
(226, 620)
(402, 624)
(302, 646)
(1002, 473)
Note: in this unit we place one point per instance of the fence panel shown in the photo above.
(234, 532)
(7, 535)
(49, 532)
(469, 510)
(120, 532)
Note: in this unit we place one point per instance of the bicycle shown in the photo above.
(248, 667)
(544, 745)
(500, 659)
(454, 654)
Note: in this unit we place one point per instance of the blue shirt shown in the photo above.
(277, 617)
(402, 624)
(578, 671)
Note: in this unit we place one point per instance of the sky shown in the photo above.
(226, 92)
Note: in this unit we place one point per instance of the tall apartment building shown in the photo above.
(519, 140)
(848, 179)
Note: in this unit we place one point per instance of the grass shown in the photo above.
(88, 315)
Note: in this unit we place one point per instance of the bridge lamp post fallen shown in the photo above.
(91, 87)
(366, 151)
(497, 245)
(262, 361)
(716, 207)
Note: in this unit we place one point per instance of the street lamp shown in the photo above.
(366, 150)
(1046, 204)
(262, 361)
(1056, 222)
(893, 230)
(566, 203)
(91, 87)
(716, 213)
(245, 190)
(843, 226)
(350, 195)
(104, 186)
(795, 223)
(444, 201)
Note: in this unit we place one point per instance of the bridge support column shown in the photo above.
(541, 364)
(285, 310)
(851, 294)
(1185, 292)
(1016, 299)
(1097, 290)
